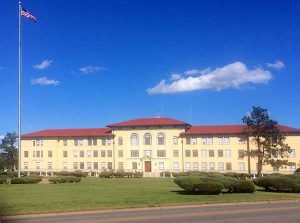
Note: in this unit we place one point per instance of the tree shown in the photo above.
(264, 132)
(9, 152)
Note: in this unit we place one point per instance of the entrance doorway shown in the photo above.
(147, 166)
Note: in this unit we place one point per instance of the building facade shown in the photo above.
(148, 145)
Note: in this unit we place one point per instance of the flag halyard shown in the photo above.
(27, 14)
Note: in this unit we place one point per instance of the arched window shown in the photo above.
(134, 139)
(120, 141)
(147, 139)
(161, 138)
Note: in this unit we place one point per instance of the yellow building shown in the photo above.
(150, 145)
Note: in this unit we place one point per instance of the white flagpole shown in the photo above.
(19, 95)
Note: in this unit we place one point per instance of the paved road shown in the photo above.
(287, 212)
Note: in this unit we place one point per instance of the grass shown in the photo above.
(97, 193)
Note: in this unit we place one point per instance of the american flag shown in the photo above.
(27, 14)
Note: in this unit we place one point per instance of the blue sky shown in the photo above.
(91, 63)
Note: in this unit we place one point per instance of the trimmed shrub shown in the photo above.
(243, 186)
(138, 174)
(194, 184)
(119, 174)
(106, 174)
(64, 179)
(280, 183)
(26, 180)
(77, 173)
(297, 171)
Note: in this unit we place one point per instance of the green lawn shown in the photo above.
(96, 193)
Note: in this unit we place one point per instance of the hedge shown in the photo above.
(26, 180)
(279, 183)
(64, 179)
(120, 174)
(77, 173)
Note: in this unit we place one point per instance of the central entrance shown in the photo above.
(147, 166)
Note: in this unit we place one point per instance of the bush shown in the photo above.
(297, 171)
(243, 186)
(64, 179)
(106, 174)
(195, 184)
(280, 183)
(26, 180)
(77, 173)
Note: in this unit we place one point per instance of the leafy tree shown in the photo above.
(271, 148)
(8, 152)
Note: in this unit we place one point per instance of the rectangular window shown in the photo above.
(187, 153)
(292, 153)
(195, 153)
(90, 141)
(188, 141)
(188, 166)
(95, 153)
(220, 153)
(241, 166)
(108, 142)
(134, 153)
(228, 152)
(120, 166)
(81, 153)
(175, 153)
(203, 153)
(33, 153)
(120, 141)
(242, 140)
(80, 141)
(211, 153)
(224, 140)
(195, 166)
(147, 153)
(161, 153)
(109, 165)
(194, 141)
(49, 153)
(203, 166)
(95, 165)
(89, 165)
(37, 165)
(25, 153)
(65, 154)
(75, 153)
(89, 153)
(211, 166)
(33, 143)
(161, 165)
(293, 166)
(49, 165)
(81, 165)
(109, 153)
(65, 142)
(103, 165)
(38, 153)
(103, 153)
(120, 153)
(207, 140)
(103, 142)
(175, 140)
(228, 166)
(241, 153)
(134, 165)
(41, 153)
(65, 164)
(220, 166)
(25, 165)
(176, 166)
(76, 142)
(75, 165)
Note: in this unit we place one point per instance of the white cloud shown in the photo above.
(45, 64)
(43, 81)
(234, 75)
(175, 77)
(278, 65)
(2, 137)
(91, 69)
(196, 71)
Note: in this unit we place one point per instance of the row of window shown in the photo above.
(210, 166)
(77, 142)
(136, 153)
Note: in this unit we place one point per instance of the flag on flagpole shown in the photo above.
(27, 14)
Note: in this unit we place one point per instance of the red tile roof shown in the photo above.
(69, 132)
(149, 122)
(229, 129)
